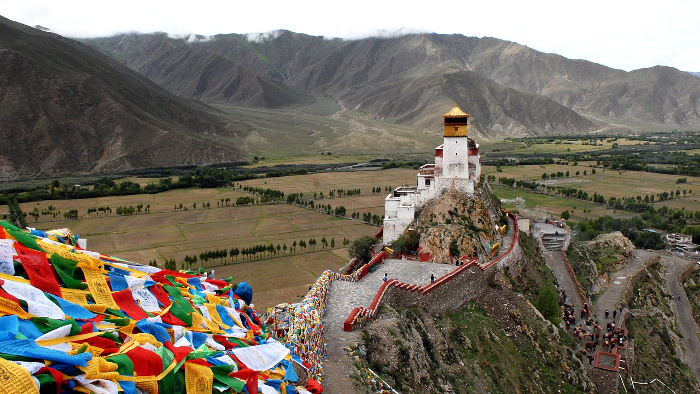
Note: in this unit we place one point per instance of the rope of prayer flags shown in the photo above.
(85, 322)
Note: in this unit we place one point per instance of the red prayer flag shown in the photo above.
(146, 362)
(56, 374)
(251, 378)
(160, 294)
(314, 386)
(125, 300)
(38, 269)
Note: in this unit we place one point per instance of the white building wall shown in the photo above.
(395, 227)
(454, 169)
(390, 206)
(454, 160)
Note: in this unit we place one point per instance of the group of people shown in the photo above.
(591, 333)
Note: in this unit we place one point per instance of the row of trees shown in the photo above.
(343, 193)
(102, 211)
(368, 217)
(216, 257)
(71, 214)
(266, 195)
(378, 189)
(560, 174)
(132, 210)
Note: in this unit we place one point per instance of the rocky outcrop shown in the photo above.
(499, 342)
(457, 220)
(597, 258)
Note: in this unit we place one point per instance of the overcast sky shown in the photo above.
(622, 34)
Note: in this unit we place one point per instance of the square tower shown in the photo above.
(455, 151)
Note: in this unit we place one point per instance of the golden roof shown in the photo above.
(455, 112)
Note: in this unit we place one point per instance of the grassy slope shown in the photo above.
(325, 127)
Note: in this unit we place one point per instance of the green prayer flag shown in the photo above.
(167, 384)
(66, 270)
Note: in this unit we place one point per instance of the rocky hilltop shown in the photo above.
(497, 342)
(458, 222)
(597, 258)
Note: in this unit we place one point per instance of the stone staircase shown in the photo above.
(553, 241)
(343, 296)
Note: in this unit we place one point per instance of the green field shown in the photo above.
(609, 183)
(539, 205)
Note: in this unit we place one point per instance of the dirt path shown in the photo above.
(551, 247)
(612, 297)
(684, 315)
(337, 368)
(674, 267)
(557, 264)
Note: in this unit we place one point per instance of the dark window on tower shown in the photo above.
(456, 121)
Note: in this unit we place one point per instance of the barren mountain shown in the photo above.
(228, 73)
(66, 108)
(510, 88)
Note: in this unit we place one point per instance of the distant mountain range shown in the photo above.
(509, 88)
(148, 100)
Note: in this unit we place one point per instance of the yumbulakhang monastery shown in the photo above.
(457, 166)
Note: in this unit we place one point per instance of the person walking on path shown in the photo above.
(432, 278)
(607, 313)
(614, 314)
(386, 278)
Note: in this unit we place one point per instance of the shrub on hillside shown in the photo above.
(360, 248)
(548, 304)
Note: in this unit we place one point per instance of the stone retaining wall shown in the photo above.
(628, 294)
(574, 277)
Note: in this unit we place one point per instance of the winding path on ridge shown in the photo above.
(556, 261)
(675, 266)
(343, 296)
(612, 296)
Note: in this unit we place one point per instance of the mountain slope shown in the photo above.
(69, 109)
(373, 75)
(229, 72)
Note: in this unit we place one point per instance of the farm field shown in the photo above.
(606, 182)
(178, 224)
(537, 205)
(559, 146)
(166, 233)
